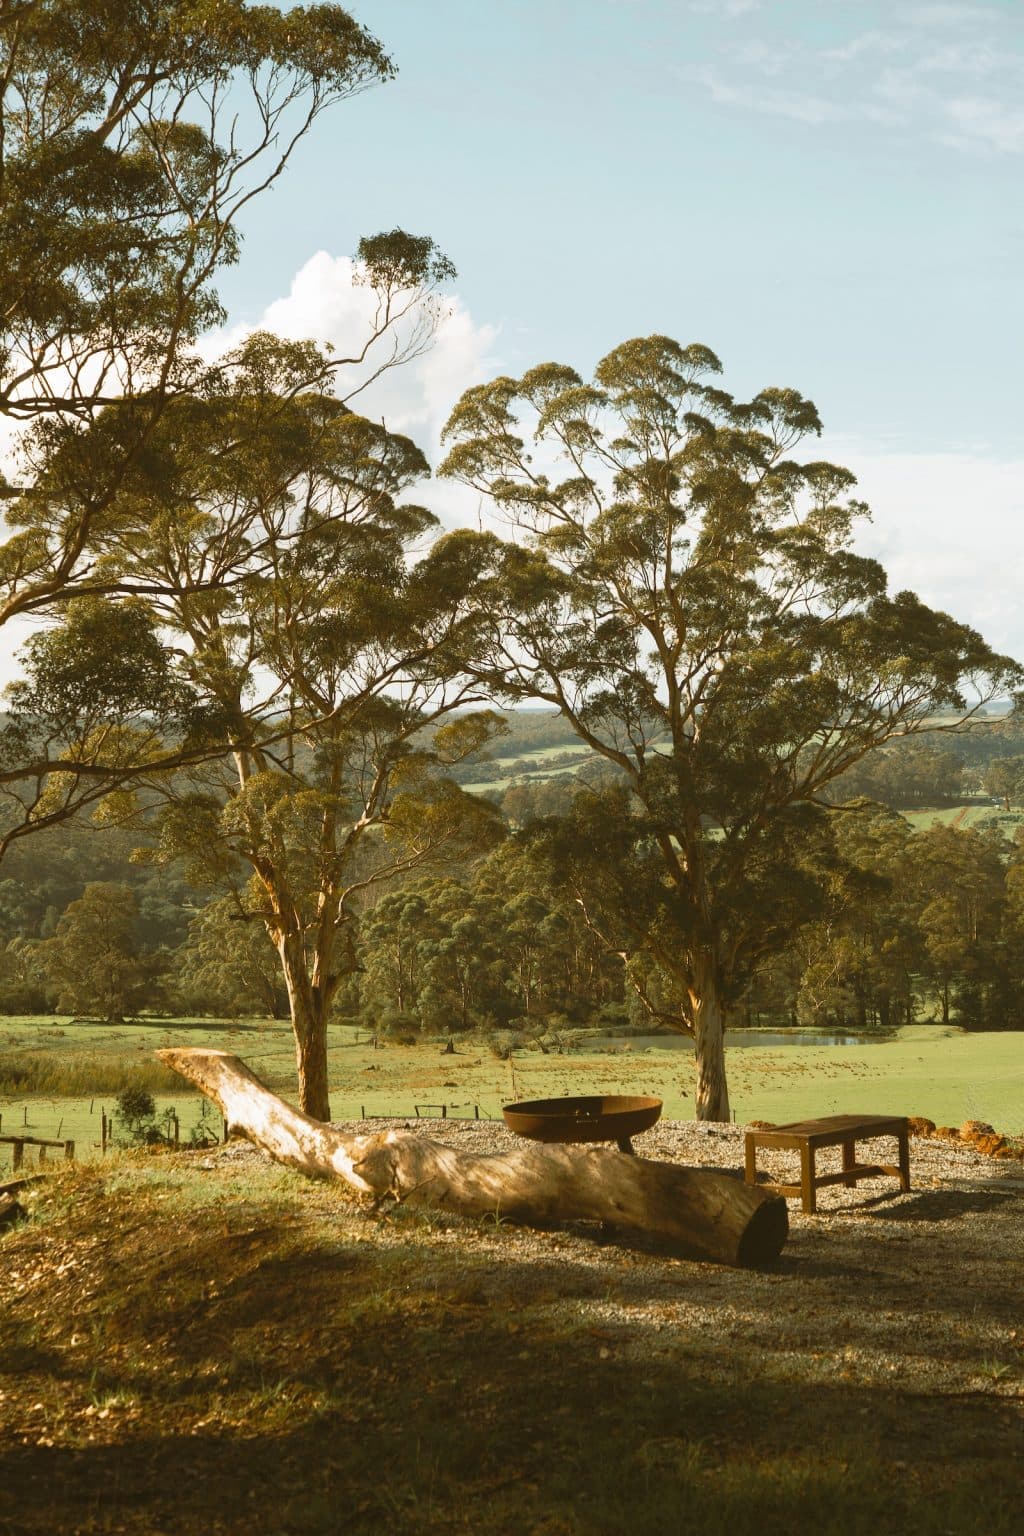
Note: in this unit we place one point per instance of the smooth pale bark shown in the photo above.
(308, 1010)
(710, 1214)
(711, 1098)
(712, 1091)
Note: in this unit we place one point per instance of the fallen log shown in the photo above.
(709, 1214)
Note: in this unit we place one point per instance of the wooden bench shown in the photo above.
(806, 1136)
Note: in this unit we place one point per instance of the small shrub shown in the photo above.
(134, 1105)
(503, 1042)
(402, 1028)
(135, 1109)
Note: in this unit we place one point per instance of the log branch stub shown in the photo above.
(709, 1214)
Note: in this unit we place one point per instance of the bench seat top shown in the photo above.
(828, 1123)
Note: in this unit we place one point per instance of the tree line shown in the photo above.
(913, 926)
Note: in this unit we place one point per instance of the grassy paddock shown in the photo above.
(58, 1076)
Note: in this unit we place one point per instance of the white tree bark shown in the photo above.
(710, 1215)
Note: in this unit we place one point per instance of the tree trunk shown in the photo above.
(711, 1215)
(712, 1092)
(311, 1065)
(308, 1012)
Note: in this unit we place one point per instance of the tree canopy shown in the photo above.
(133, 136)
(683, 587)
(270, 531)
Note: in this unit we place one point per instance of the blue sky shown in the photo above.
(827, 192)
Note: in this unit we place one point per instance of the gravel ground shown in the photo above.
(923, 1288)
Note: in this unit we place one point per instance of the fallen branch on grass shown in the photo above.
(710, 1214)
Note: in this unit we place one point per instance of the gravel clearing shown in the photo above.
(879, 1287)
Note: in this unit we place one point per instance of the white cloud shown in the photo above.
(802, 107)
(324, 304)
(951, 15)
(949, 526)
(726, 7)
(980, 121)
(952, 73)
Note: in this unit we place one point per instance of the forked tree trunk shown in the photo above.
(711, 1215)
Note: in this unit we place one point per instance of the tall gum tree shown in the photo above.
(322, 665)
(133, 135)
(684, 589)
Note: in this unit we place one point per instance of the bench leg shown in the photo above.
(849, 1163)
(904, 1146)
(807, 1189)
(751, 1160)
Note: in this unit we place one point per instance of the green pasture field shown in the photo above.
(945, 1074)
(974, 817)
(541, 755)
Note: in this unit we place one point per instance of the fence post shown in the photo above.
(69, 1151)
(17, 1155)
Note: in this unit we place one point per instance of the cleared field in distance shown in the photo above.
(973, 816)
(926, 1070)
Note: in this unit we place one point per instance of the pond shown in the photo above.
(740, 1037)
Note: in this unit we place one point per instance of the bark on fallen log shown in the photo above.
(709, 1214)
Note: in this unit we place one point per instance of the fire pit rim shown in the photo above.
(583, 1117)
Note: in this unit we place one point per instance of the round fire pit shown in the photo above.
(590, 1117)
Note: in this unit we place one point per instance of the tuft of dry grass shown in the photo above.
(70, 1072)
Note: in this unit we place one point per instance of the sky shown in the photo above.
(828, 193)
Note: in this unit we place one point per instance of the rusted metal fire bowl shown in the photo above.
(590, 1117)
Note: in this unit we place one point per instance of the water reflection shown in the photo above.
(741, 1037)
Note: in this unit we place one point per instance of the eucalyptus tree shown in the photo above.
(314, 659)
(685, 590)
(134, 135)
(94, 961)
(229, 967)
(1004, 778)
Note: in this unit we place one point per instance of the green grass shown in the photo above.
(974, 817)
(542, 755)
(926, 1070)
